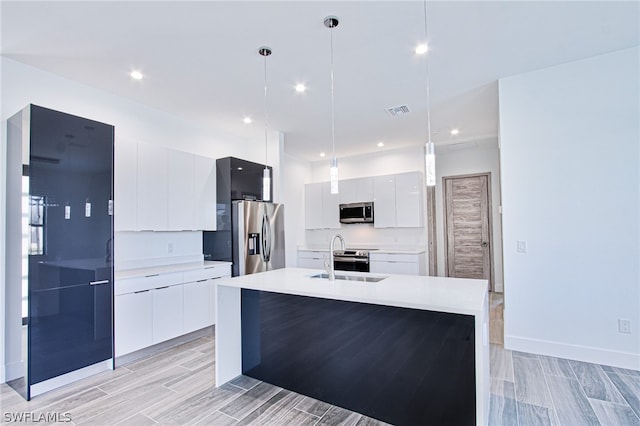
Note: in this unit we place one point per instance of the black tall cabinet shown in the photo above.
(68, 193)
(236, 179)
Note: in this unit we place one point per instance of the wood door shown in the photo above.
(468, 227)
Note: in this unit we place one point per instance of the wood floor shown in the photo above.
(176, 387)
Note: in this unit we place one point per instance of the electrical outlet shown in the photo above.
(624, 325)
(170, 247)
(521, 246)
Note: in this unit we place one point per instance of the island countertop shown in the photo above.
(442, 294)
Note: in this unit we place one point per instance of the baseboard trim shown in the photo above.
(612, 358)
(162, 346)
(73, 376)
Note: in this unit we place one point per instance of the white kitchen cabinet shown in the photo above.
(168, 312)
(384, 201)
(397, 263)
(312, 259)
(409, 200)
(330, 207)
(133, 321)
(321, 207)
(126, 185)
(348, 191)
(152, 187)
(313, 213)
(364, 189)
(196, 305)
(180, 191)
(204, 193)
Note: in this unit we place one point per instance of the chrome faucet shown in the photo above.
(331, 270)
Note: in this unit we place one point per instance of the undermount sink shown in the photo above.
(351, 278)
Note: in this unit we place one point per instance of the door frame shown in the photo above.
(490, 221)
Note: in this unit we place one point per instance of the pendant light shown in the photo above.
(266, 173)
(430, 149)
(331, 22)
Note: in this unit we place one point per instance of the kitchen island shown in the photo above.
(404, 350)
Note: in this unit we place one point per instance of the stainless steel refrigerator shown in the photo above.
(258, 237)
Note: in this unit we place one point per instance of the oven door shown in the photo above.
(350, 263)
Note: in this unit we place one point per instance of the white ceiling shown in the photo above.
(201, 62)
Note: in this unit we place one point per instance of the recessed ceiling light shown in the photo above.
(246, 120)
(136, 75)
(455, 131)
(300, 87)
(380, 144)
(322, 154)
(421, 49)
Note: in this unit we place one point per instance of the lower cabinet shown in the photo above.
(160, 307)
(312, 259)
(168, 312)
(397, 263)
(133, 321)
(197, 305)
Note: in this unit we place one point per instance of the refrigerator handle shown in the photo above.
(266, 239)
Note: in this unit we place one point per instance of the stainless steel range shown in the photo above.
(351, 260)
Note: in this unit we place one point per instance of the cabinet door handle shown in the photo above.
(162, 288)
(99, 282)
(141, 291)
(152, 275)
(201, 281)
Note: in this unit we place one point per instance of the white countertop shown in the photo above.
(166, 269)
(455, 295)
(372, 249)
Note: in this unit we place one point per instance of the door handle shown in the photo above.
(266, 239)
(485, 244)
(99, 282)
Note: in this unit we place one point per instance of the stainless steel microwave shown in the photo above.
(356, 212)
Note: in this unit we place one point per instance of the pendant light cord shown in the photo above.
(333, 126)
(427, 74)
(265, 113)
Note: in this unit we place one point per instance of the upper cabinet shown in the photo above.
(180, 192)
(204, 186)
(397, 201)
(152, 187)
(384, 201)
(409, 190)
(321, 207)
(126, 185)
(356, 190)
(161, 189)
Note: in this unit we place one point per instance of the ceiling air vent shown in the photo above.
(398, 110)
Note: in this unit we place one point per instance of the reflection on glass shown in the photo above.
(36, 225)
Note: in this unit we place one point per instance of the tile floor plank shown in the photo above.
(500, 363)
(556, 367)
(533, 415)
(502, 411)
(529, 386)
(614, 414)
(596, 383)
(313, 406)
(336, 416)
(240, 407)
(629, 387)
(571, 404)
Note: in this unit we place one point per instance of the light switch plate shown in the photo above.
(522, 246)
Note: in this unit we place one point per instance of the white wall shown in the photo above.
(570, 188)
(467, 158)
(294, 173)
(22, 85)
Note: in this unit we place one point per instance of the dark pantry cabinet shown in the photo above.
(67, 227)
